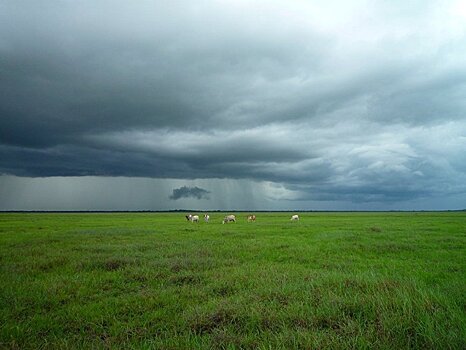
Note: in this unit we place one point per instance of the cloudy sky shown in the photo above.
(123, 105)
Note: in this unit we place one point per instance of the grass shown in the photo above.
(330, 281)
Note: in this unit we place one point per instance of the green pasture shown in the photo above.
(156, 281)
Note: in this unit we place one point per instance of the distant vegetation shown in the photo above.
(154, 280)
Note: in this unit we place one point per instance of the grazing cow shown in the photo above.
(229, 218)
(294, 218)
(192, 218)
(251, 218)
(206, 217)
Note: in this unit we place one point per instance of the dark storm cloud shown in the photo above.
(189, 192)
(351, 101)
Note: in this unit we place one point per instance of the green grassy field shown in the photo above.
(153, 280)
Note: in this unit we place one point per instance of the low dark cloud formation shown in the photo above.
(337, 101)
(189, 192)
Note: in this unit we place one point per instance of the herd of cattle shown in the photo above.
(230, 218)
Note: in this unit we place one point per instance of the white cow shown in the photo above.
(229, 218)
(294, 217)
(192, 218)
(206, 217)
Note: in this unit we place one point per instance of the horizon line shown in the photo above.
(234, 211)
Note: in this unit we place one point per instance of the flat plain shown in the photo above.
(153, 280)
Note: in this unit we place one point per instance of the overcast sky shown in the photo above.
(232, 105)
